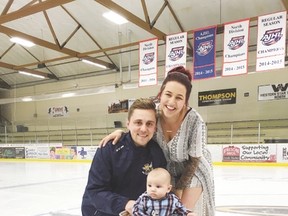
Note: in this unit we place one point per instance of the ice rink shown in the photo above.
(56, 188)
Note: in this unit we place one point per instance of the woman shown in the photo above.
(181, 133)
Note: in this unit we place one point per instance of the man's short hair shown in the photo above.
(144, 104)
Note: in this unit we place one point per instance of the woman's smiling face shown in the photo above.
(173, 99)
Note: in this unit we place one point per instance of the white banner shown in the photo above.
(271, 41)
(37, 152)
(60, 111)
(235, 51)
(31, 152)
(86, 152)
(273, 92)
(250, 153)
(176, 46)
(43, 152)
(282, 152)
(148, 54)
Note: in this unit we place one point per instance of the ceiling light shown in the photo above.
(93, 63)
(27, 99)
(30, 74)
(116, 18)
(22, 42)
(65, 95)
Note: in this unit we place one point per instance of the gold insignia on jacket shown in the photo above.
(147, 168)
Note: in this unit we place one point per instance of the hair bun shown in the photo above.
(182, 70)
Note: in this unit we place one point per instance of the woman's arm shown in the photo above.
(188, 173)
(189, 196)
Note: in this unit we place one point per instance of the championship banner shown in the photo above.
(273, 92)
(148, 53)
(271, 41)
(204, 53)
(176, 46)
(217, 97)
(235, 51)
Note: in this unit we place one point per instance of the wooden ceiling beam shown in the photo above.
(90, 36)
(7, 7)
(6, 65)
(14, 67)
(51, 28)
(285, 3)
(29, 10)
(159, 14)
(26, 11)
(132, 18)
(145, 11)
(30, 3)
(38, 41)
(82, 55)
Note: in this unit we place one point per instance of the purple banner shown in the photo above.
(204, 53)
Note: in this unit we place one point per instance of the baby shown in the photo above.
(158, 200)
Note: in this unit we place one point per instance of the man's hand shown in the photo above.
(129, 206)
(125, 213)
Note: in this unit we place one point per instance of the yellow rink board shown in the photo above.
(89, 161)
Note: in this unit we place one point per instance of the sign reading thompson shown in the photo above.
(217, 97)
(273, 92)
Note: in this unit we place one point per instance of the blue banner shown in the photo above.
(204, 53)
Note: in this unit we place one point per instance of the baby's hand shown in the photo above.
(191, 213)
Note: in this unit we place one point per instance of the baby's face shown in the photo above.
(157, 187)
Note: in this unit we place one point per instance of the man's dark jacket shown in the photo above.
(118, 174)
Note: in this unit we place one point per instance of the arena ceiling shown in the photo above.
(66, 31)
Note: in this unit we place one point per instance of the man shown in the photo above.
(117, 176)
